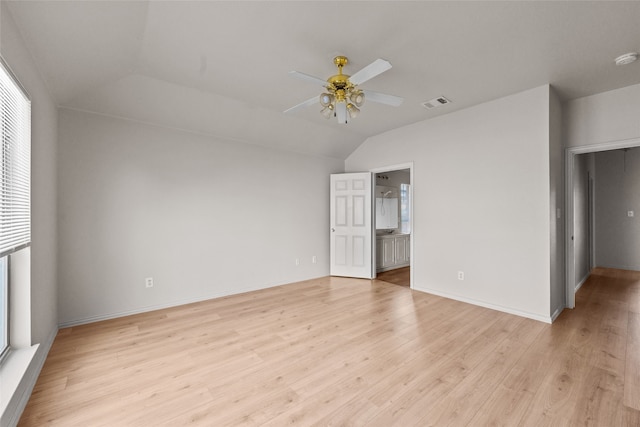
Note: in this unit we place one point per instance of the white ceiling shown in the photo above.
(221, 68)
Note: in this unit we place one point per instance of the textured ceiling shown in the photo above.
(221, 68)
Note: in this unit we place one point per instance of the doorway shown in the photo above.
(393, 211)
(573, 257)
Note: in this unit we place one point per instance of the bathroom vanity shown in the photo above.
(392, 251)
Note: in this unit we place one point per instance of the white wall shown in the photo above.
(481, 200)
(203, 217)
(604, 117)
(617, 192)
(43, 300)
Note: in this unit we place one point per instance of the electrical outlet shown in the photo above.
(460, 275)
(630, 214)
(314, 259)
(148, 282)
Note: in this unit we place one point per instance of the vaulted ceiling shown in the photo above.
(221, 68)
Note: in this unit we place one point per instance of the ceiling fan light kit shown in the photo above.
(340, 92)
(343, 98)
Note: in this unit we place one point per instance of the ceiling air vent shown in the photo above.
(436, 102)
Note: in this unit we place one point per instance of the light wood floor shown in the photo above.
(338, 351)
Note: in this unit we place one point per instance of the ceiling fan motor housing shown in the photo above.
(339, 84)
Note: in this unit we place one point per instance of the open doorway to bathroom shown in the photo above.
(393, 220)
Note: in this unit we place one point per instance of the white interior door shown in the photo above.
(351, 227)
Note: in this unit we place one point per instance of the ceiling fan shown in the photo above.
(343, 97)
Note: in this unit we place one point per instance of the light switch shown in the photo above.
(630, 214)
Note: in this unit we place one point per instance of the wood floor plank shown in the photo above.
(504, 407)
(632, 367)
(600, 407)
(470, 395)
(350, 352)
(609, 349)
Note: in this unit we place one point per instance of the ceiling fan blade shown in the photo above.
(377, 67)
(307, 78)
(302, 105)
(383, 98)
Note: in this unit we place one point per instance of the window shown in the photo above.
(405, 208)
(15, 185)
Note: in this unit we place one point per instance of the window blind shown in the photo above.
(15, 177)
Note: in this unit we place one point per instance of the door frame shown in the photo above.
(591, 215)
(391, 168)
(570, 261)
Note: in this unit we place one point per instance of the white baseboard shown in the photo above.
(581, 282)
(619, 267)
(540, 318)
(145, 309)
(556, 313)
(393, 267)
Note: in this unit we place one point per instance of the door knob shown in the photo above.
(333, 230)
